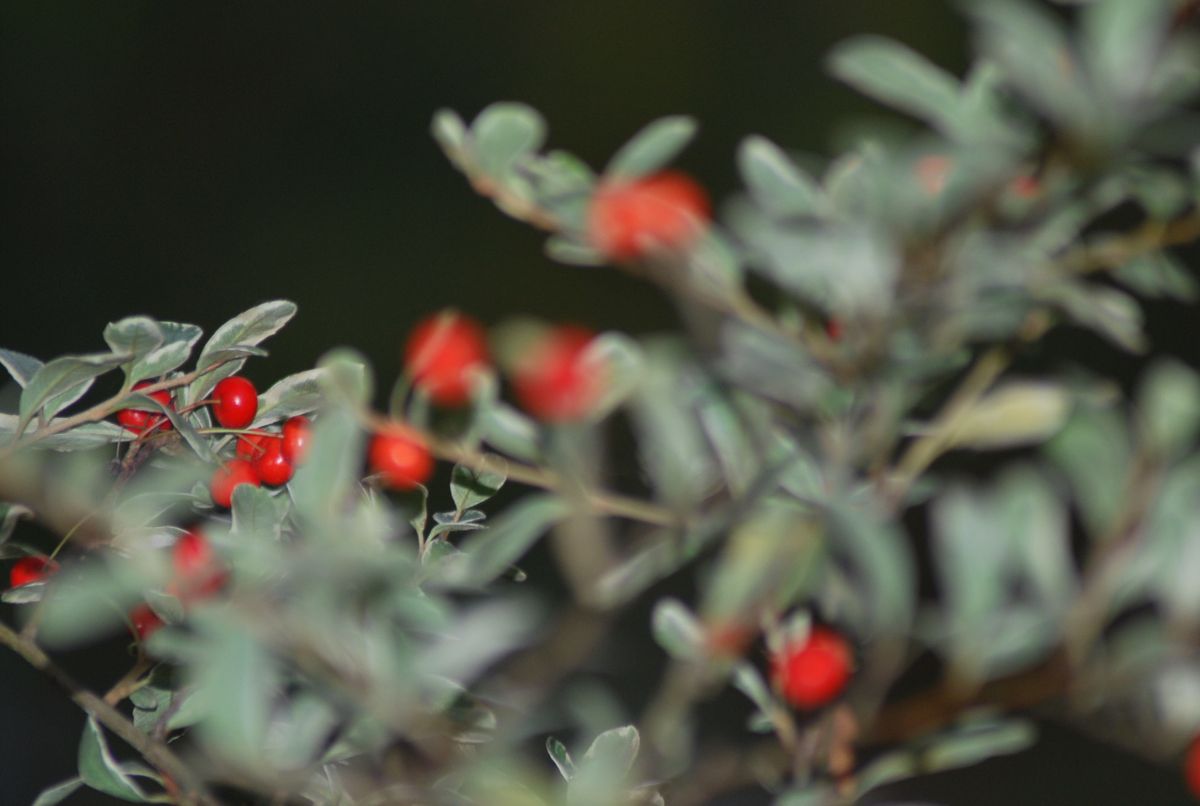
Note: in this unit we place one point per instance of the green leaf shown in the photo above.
(1122, 43)
(747, 680)
(979, 743)
(1111, 313)
(1168, 411)
(882, 560)
(246, 330)
(491, 552)
(1015, 413)
(300, 393)
(236, 682)
(898, 76)
(88, 602)
(562, 249)
(619, 359)
(59, 383)
(510, 431)
(258, 514)
(9, 515)
(470, 487)
(88, 435)
(651, 148)
(22, 367)
(134, 336)
(775, 182)
(1159, 274)
(603, 769)
(328, 476)
(450, 133)
(1095, 453)
(676, 630)
(178, 341)
(561, 758)
(58, 792)
(503, 132)
(194, 440)
(100, 770)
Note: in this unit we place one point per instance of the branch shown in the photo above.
(154, 751)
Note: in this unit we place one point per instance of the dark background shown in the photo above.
(188, 161)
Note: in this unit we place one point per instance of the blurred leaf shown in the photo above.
(195, 441)
(619, 359)
(1095, 453)
(87, 602)
(28, 593)
(1014, 413)
(246, 330)
(747, 680)
(504, 131)
(470, 487)
(507, 539)
(300, 393)
(573, 253)
(601, 772)
(178, 341)
(134, 336)
(20, 366)
(775, 182)
(1122, 42)
(1168, 408)
(329, 475)
(58, 792)
(1159, 274)
(510, 431)
(561, 758)
(898, 76)
(257, 513)
(100, 770)
(450, 133)
(676, 629)
(651, 148)
(882, 560)
(815, 795)
(236, 682)
(9, 515)
(886, 769)
(59, 383)
(1111, 313)
(979, 743)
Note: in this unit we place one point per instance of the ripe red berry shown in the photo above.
(297, 432)
(138, 420)
(627, 219)
(553, 380)
(1191, 767)
(30, 569)
(250, 446)
(198, 570)
(228, 477)
(814, 671)
(235, 402)
(401, 457)
(272, 467)
(443, 353)
(145, 621)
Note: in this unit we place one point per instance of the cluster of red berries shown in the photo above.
(629, 219)
(260, 458)
(813, 671)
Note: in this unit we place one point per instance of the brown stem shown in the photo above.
(193, 790)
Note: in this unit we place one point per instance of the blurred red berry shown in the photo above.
(235, 402)
(443, 353)
(401, 457)
(30, 569)
(932, 172)
(812, 672)
(249, 446)
(145, 621)
(272, 467)
(553, 380)
(198, 570)
(228, 477)
(1191, 767)
(833, 329)
(297, 431)
(627, 219)
(139, 420)
(1025, 187)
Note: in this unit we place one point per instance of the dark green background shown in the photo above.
(190, 160)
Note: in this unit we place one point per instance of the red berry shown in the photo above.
(138, 420)
(235, 402)
(1191, 767)
(297, 431)
(30, 569)
(145, 621)
(627, 219)
(249, 446)
(933, 170)
(401, 457)
(443, 353)
(198, 570)
(1025, 187)
(812, 672)
(273, 467)
(833, 329)
(553, 381)
(228, 477)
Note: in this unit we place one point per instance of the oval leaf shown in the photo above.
(652, 147)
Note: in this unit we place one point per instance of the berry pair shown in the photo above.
(262, 458)
(552, 378)
(140, 421)
(197, 574)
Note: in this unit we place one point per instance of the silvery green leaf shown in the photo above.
(236, 681)
(1095, 452)
(300, 393)
(1168, 408)
(20, 366)
(246, 330)
(1159, 274)
(470, 487)
(492, 551)
(504, 131)
(747, 680)
(9, 515)
(134, 336)
(101, 771)
(85, 603)
(562, 249)
(59, 383)
(619, 358)
(450, 133)
(88, 435)
(975, 744)
(775, 182)
(257, 513)
(651, 148)
(194, 440)
(1111, 313)
(898, 76)
(28, 593)
(676, 629)
(510, 431)
(58, 793)
(178, 341)
(1122, 43)
(615, 750)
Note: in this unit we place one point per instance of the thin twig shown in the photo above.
(155, 752)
